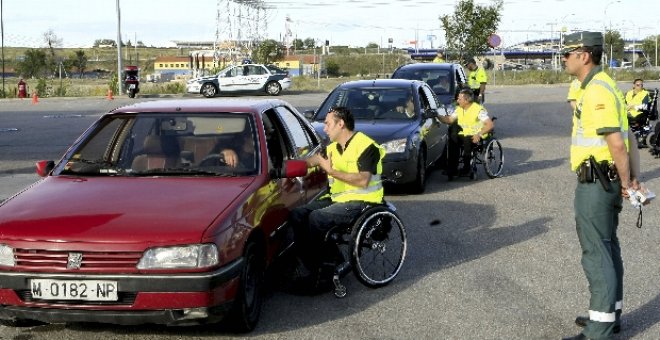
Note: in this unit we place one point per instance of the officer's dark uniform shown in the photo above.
(600, 110)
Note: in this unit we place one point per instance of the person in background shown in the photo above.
(439, 57)
(637, 100)
(474, 123)
(477, 80)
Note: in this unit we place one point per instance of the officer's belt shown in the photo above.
(591, 171)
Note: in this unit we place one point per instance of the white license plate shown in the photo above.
(131, 86)
(87, 290)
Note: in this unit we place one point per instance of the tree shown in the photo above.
(33, 65)
(310, 43)
(298, 44)
(613, 45)
(104, 43)
(79, 60)
(649, 47)
(268, 51)
(52, 41)
(372, 45)
(468, 29)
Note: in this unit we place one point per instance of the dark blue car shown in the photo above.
(444, 78)
(410, 131)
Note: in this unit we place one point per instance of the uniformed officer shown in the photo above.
(477, 80)
(636, 101)
(439, 57)
(599, 156)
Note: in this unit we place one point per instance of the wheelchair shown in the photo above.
(488, 152)
(644, 133)
(373, 247)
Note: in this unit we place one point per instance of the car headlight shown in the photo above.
(7, 256)
(395, 146)
(191, 256)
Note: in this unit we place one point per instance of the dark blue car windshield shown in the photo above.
(372, 103)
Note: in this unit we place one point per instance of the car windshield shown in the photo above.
(166, 145)
(438, 79)
(372, 103)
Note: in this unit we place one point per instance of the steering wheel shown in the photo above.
(213, 160)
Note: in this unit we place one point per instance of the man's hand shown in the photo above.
(476, 138)
(230, 156)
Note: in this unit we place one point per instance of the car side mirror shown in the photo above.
(44, 168)
(291, 168)
(309, 114)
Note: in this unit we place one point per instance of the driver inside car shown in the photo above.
(242, 155)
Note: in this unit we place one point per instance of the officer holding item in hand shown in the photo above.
(600, 158)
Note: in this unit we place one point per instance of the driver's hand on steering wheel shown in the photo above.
(230, 156)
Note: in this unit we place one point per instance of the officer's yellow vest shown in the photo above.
(636, 99)
(574, 91)
(600, 108)
(347, 162)
(476, 77)
(468, 119)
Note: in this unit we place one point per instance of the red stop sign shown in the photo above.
(494, 40)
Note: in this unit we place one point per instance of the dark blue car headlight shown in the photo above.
(395, 146)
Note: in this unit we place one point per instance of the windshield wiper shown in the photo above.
(182, 171)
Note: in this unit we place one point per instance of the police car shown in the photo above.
(242, 78)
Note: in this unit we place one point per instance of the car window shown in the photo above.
(429, 99)
(302, 139)
(168, 145)
(372, 103)
(276, 70)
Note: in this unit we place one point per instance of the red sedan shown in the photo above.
(164, 212)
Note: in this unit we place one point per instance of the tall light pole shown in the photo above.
(119, 80)
(611, 56)
(2, 32)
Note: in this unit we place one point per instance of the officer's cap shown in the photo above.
(582, 39)
(470, 60)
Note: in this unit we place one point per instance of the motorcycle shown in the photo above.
(132, 81)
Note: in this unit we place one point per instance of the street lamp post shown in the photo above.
(2, 32)
(119, 82)
(610, 30)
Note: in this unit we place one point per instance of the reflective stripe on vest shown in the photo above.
(601, 316)
(347, 162)
(585, 144)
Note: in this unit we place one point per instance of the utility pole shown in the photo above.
(119, 80)
(2, 31)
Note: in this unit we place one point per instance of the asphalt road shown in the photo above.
(503, 263)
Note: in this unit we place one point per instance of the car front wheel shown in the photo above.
(420, 179)
(273, 88)
(249, 299)
(209, 90)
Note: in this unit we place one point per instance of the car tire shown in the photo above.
(249, 299)
(273, 88)
(420, 180)
(209, 90)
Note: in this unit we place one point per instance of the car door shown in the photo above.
(229, 80)
(303, 143)
(256, 77)
(435, 131)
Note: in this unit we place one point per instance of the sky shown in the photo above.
(78, 23)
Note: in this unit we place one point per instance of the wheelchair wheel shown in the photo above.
(493, 159)
(378, 247)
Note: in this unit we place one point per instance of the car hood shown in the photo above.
(381, 131)
(118, 209)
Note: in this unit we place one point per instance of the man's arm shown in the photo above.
(617, 148)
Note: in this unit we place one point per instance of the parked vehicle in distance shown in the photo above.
(444, 78)
(242, 78)
(150, 218)
(410, 132)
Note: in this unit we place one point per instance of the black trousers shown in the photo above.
(312, 221)
(454, 147)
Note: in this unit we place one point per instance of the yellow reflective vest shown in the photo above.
(468, 119)
(599, 110)
(639, 99)
(347, 162)
(476, 77)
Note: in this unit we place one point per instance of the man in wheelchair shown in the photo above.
(353, 162)
(637, 101)
(474, 125)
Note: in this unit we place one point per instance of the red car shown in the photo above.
(164, 212)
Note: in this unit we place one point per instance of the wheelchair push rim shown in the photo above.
(493, 159)
(378, 248)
